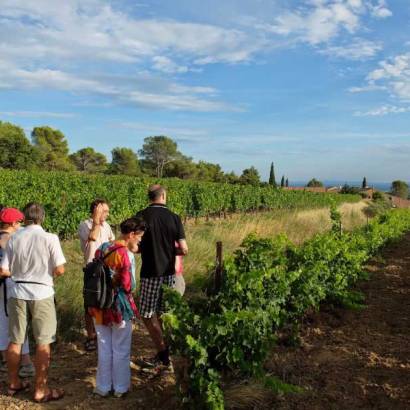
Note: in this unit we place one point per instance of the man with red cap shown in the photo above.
(10, 220)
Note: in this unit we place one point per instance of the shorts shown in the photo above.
(151, 295)
(43, 320)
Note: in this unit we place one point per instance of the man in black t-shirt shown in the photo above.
(157, 247)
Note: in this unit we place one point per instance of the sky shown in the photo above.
(319, 87)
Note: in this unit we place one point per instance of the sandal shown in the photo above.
(52, 395)
(25, 385)
(90, 345)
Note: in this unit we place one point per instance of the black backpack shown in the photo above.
(98, 290)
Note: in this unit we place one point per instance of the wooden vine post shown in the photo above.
(218, 268)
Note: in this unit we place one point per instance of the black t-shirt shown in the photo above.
(158, 243)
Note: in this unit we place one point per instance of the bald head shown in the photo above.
(157, 194)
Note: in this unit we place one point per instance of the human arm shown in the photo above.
(57, 257)
(96, 225)
(183, 246)
(4, 266)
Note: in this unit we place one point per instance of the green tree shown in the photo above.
(157, 152)
(282, 181)
(314, 183)
(124, 162)
(209, 172)
(250, 176)
(364, 183)
(88, 160)
(16, 152)
(231, 178)
(53, 148)
(287, 182)
(182, 167)
(400, 188)
(272, 180)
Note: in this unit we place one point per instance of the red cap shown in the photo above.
(10, 215)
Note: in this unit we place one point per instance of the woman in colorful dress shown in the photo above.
(114, 325)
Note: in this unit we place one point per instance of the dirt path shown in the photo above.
(74, 370)
(348, 359)
(356, 359)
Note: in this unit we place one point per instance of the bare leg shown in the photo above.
(13, 365)
(154, 328)
(89, 326)
(42, 363)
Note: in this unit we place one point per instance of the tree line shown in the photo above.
(159, 157)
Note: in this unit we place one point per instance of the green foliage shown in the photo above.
(157, 152)
(250, 176)
(314, 183)
(400, 188)
(67, 196)
(124, 162)
(268, 283)
(378, 206)
(53, 148)
(347, 189)
(272, 179)
(16, 152)
(364, 183)
(88, 160)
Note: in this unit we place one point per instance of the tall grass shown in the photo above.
(201, 237)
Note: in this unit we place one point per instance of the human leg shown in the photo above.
(17, 309)
(44, 324)
(105, 360)
(121, 346)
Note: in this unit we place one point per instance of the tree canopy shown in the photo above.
(16, 152)
(250, 176)
(124, 161)
(400, 188)
(314, 183)
(88, 160)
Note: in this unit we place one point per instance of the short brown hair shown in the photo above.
(97, 202)
(34, 213)
(155, 191)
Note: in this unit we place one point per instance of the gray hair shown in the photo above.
(34, 214)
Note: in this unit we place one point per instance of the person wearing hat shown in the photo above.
(10, 220)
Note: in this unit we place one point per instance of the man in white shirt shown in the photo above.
(32, 258)
(93, 232)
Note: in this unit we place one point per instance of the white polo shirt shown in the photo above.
(31, 255)
(89, 247)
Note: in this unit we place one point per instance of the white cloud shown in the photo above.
(357, 49)
(380, 10)
(37, 114)
(382, 111)
(321, 21)
(393, 75)
(71, 45)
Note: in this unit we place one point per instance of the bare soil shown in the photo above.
(356, 359)
(348, 359)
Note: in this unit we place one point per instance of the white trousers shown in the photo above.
(114, 351)
(4, 327)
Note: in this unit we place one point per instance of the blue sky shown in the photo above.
(319, 87)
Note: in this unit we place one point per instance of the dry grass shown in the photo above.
(297, 225)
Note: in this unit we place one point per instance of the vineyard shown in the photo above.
(268, 283)
(66, 196)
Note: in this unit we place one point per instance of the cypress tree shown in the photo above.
(272, 180)
(282, 181)
(364, 183)
(287, 182)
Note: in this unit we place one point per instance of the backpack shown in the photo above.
(98, 291)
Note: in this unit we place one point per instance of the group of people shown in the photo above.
(32, 257)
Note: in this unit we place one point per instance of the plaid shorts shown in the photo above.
(150, 297)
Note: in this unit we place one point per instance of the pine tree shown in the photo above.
(287, 182)
(272, 180)
(364, 183)
(282, 181)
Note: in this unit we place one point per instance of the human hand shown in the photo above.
(97, 214)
